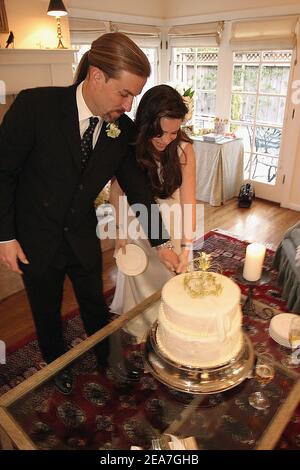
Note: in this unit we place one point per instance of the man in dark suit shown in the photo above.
(56, 154)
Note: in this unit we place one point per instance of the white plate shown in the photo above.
(279, 328)
(132, 263)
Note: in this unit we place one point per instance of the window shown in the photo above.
(258, 98)
(197, 67)
(80, 49)
(152, 55)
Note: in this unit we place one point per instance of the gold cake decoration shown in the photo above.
(204, 262)
(201, 284)
(198, 281)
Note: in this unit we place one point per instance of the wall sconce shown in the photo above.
(58, 9)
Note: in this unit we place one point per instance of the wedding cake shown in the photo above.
(199, 322)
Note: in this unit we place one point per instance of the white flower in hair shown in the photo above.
(187, 96)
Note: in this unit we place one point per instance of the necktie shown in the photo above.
(87, 143)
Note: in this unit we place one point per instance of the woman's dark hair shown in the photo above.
(113, 53)
(160, 101)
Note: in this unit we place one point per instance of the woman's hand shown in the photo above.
(168, 257)
(120, 243)
(183, 261)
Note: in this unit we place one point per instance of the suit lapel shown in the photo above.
(70, 125)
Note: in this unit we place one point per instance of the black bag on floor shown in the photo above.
(246, 195)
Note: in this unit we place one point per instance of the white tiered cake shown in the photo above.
(202, 331)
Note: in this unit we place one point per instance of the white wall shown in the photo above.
(292, 189)
(173, 8)
(32, 27)
(294, 202)
(178, 8)
(148, 8)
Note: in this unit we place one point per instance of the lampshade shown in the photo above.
(56, 8)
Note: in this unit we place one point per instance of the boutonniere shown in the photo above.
(112, 130)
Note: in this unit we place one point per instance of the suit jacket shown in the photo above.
(43, 195)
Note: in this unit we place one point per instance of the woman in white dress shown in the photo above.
(166, 155)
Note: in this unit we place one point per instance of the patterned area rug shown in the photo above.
(24, 358)
(116, 410)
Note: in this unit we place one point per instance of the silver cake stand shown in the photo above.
(197, 380)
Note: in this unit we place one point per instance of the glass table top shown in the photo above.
(123, 405)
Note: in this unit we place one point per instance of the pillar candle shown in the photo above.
(255, 254)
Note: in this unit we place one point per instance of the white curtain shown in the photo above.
(84, 30)
(262, 34)
(202, 34)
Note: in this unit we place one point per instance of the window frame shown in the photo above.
(194, 43)
(254, 156)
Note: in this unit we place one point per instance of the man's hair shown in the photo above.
(113, 53)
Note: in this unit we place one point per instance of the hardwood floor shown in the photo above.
(264, 222)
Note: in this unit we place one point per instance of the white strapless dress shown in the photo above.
(132, 290)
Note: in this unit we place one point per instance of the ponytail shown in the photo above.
(82, 69)
(112, 53)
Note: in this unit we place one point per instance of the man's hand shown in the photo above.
(10, 252)
(169, 258)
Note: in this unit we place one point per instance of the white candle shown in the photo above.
(255, 254)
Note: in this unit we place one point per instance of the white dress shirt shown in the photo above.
(84, 115)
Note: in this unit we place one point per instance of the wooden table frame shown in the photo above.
(13, 437)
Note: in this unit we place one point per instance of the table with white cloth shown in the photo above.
(219, 169)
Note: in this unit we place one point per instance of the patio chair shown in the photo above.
(265, 139)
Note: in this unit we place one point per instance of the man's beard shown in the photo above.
(109, 117)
